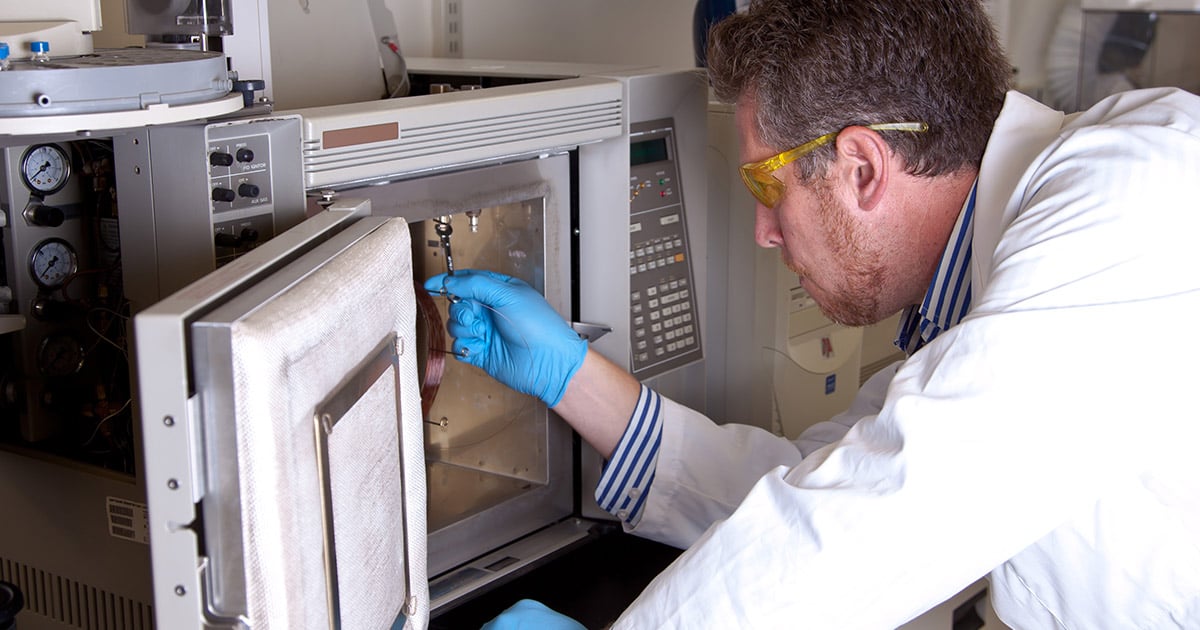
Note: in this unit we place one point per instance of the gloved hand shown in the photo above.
(507, 328)
(530, 615)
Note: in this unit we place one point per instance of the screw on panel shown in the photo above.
(172, 484)
(180, 591)
(169, 421)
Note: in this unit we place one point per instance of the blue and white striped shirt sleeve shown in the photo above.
(627, 476)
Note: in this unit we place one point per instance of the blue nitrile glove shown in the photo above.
(530, 615)
(507, 328)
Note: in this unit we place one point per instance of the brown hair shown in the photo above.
(817, 66)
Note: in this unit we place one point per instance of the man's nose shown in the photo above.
(766, 227)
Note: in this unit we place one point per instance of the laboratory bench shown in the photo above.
(591, 582)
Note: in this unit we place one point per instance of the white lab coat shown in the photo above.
(1050, 437)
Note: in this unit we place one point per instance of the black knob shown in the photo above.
(224, 239)
(248, 190)
(220, 158)
(245, 155)
(223, 194)
(46, 216)
(11, 603)
(249, 235)
(248, 87)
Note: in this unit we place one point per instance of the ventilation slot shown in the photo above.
(486, 137)
(74, 603)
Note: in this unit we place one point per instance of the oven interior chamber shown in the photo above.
(485, 444)
(498, 463)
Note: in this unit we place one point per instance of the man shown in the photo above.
(1041, 427)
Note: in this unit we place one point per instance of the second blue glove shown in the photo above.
(529, 614)
(504, 326)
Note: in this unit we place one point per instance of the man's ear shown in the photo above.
(864, 165)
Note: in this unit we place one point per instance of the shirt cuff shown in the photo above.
(628, 474)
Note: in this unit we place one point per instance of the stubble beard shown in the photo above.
(854, 300)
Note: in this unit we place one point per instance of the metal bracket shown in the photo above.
(590, 332)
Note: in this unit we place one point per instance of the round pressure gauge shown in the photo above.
(60, 355)
(52, 262)
(45, 168)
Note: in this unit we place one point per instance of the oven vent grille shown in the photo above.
(341, 149)
(74, 603)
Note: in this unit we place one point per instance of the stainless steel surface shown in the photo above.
(170, 223)
(490, 443)
(472, 578)
(498, 462)
(590, 332)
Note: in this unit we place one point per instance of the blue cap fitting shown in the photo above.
(3, 50)
(40, 47)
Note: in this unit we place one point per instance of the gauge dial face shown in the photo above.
(45, 168)
(52, 262)
(60, 355)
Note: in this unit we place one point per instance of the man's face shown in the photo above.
(820, 235)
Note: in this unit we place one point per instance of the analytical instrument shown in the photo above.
(158, 207)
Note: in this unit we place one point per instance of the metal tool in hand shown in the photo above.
(441, 225)
(443, 229)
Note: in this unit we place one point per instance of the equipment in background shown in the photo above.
(1101, 47)
(786, 366)
(706, 14)
(815, 366)
(70, 446)
(109, 214)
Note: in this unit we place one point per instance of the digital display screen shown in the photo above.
(648, 151)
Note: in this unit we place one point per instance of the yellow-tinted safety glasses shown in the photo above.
(760, 178)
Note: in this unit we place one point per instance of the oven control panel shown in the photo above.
(664, 319)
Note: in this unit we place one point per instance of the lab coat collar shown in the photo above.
(1023, 130)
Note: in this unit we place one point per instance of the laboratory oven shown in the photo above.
(590, 163)
(126, 445)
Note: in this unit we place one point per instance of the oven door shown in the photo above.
(499, 464)
(283, 434)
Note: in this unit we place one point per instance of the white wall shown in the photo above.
(659, 32)
(414, 24)
(651, 32)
